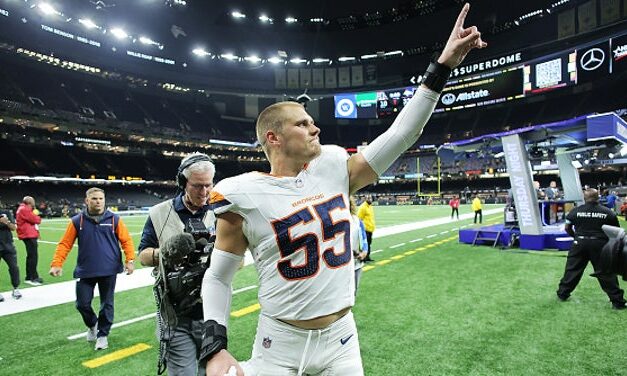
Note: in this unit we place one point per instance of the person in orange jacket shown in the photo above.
(28, 232)
(100, 233)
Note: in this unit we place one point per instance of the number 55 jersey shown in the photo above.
(298, 230)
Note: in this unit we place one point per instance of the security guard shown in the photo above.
(589, 240)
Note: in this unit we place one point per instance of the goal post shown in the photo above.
(419, 179)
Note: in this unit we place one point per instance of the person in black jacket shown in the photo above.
(8, 252)
(589, 237)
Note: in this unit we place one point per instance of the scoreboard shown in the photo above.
(489, 88)
(586, 63)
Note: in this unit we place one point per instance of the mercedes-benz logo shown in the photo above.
(592, 59)
(448, 98)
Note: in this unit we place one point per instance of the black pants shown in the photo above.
(454, 211)
(84, 296)
(31, 259)
(585, 250)
(369, 240)
(10, 257)
(480, 213)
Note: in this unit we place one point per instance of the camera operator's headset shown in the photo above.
(181, 180)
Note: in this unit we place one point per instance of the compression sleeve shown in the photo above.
(403, 133)
(216, 286)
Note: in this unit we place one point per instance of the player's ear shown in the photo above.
(272, 137)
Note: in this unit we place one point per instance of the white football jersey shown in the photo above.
(298, 230)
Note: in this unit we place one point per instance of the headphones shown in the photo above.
(181, 180)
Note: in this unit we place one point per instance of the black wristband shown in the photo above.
(436, 76)
(213, 340)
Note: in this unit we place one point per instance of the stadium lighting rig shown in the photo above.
(253, 59)
(231, 57)
(298, 60)
(200, 52)
(265, 19)
(276, 60)
(238, 15)
(88, 23)
(47, 9)
(119, 33)
(529, 16)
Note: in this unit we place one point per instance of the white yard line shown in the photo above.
(51, 294)
(406, 227)
(148, 316)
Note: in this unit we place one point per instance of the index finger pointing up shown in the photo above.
(462, 16)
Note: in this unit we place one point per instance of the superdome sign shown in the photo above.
(488, 64)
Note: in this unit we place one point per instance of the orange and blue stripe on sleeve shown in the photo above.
(124, 237)
(216, 200)
(65, 245)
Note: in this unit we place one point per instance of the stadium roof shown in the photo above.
(259, 30)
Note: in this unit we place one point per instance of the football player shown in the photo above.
(296, 222)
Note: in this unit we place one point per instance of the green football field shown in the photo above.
(425, 307)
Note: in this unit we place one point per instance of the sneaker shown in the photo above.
(39, 280)
(1, 298)
(32, 282)
(16, 294)
(101, 343)
(619, 306)
(91, 333)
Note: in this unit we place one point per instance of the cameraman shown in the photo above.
(180, 335)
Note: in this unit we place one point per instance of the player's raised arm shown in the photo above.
(366, 166)
(216, 293)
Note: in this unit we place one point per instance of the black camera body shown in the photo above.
(614, 253)
(185, 269)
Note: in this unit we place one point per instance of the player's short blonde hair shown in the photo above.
(272, 119)
(93, 190)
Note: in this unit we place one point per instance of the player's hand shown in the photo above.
(55, 271)
(4, 220)
(221, 363)
(362, 256)
(461, 41)
(130, 267)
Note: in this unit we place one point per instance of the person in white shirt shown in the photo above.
(296, 223)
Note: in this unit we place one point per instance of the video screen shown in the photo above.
(356, 105)
(391, 102)
(491, 88)
(549, 74)
(618, 54)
